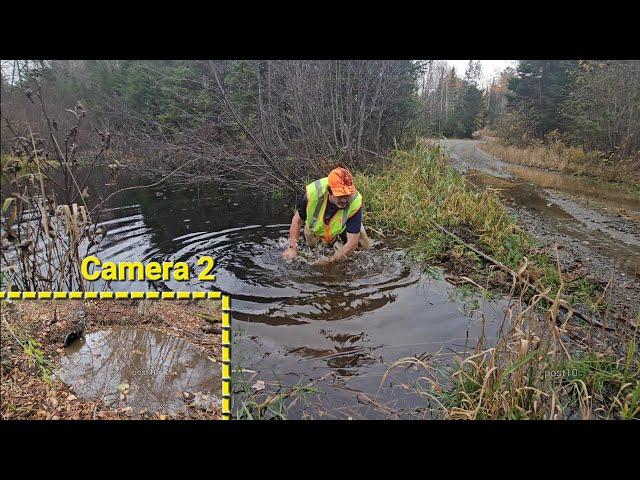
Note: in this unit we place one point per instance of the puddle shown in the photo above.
(294, 323)
(592, 228)
(346, 353)
(578, 208)
(157, 368)
(584, 187)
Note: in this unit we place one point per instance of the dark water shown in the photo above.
(338, 329)
(139, 368)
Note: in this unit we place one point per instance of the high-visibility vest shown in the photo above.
(317, 198)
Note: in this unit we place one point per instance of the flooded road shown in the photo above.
(577, 213)
(330, 333)
(295, 324)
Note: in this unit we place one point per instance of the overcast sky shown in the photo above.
(489, 67)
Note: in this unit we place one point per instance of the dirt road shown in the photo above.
(593, 227)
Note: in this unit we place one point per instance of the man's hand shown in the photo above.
(345, 251)
(323, 262)
(294, 232)
(290, 253)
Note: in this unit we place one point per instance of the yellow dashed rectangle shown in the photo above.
(226, 321)
(226, 303)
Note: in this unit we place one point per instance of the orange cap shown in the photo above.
(341, 182)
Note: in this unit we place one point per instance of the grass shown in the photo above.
(272, 406)
(531, 373)
(583, 292)
(273, 401)
(34, 351)
(517, 378)
(418, 187)
(569, 160)
(611, 382)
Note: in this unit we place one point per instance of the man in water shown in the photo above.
(331, 209)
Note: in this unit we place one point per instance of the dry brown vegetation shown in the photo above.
(516, 375)
(566, 159)
(544, 365)
(31, 350)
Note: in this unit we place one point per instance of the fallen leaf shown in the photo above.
(259, 386)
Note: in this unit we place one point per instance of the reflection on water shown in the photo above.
(295, 321)
(157, 369)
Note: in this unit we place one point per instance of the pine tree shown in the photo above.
(538, 91)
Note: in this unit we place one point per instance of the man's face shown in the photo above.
(340, 201)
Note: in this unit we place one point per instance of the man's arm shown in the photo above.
(294, 234)
(347, 249)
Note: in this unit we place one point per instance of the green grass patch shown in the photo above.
(612, 382)
(418, 187)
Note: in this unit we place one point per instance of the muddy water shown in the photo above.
(335, 330)
(622, 247)
(608, 195)
(575, 208)
(139, 368)
(338, 329)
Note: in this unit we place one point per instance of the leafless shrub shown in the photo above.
(47, 226)
(268, 124)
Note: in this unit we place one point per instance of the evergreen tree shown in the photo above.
(538, 91)
(468, 108)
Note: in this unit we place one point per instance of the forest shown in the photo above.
(266, 123)
(503, 213)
